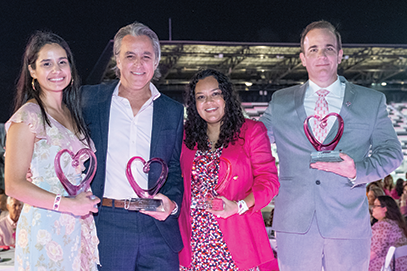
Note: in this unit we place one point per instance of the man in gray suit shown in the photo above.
(321, 212)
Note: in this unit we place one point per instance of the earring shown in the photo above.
(72, 82)
(33, 84)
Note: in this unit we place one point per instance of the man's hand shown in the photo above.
(345, 168)
(168, 204)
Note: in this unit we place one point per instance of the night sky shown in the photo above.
(88, 25)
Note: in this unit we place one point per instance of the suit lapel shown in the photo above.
(105, 101)
(299, 102)
(159, 110)
(349, 97)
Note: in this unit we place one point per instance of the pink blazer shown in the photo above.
(253, 170)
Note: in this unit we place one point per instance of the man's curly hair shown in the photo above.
(232, 121)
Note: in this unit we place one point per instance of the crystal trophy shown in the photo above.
(324, 152)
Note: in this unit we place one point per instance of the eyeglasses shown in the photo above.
(374, 206)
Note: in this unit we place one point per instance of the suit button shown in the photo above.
(318, 182)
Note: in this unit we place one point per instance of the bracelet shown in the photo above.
(57, 201)
(175, 209)
(241, 204)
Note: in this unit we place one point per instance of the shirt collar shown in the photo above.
(154, 91)
(334, 89)
(12, 223)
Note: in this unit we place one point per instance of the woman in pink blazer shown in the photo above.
(227, 157)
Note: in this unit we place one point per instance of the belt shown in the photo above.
(136, 204)
(115, 203)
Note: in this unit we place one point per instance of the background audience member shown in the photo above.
(403, 202)
(8, 224)
(398, 190)
(388, 184)
(373, 193)
(390, 230)
(3, 204)
(377, 184)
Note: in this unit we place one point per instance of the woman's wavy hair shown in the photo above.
(393, 212)
(232, 121)
(26, 91)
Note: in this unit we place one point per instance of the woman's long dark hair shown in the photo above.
(393, 212)
(70, 97)
(399, 186)
(388, 182)
(232, 121)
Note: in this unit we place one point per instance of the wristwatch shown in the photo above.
(241, 204)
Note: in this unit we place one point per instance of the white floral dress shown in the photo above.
(47, 239)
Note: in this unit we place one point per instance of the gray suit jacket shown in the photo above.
(166, 141)
(340, 207)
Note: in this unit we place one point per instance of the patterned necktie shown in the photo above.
(320, 129)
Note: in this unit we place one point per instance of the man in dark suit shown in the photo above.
(321, 212)
(131, 118)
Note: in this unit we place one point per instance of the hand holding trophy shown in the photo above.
(324, 152)
(211, 202)
(146, 199)
(74, 184)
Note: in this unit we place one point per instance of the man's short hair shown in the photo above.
(137, 29)
(321, 25)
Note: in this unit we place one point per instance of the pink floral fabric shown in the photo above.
(386, 233)
(47, 239)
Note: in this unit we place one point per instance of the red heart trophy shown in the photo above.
(82, 185)
(146, 199)
(325, 152)
(210, 202)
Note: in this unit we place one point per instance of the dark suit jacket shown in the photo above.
(166, 141)
(341, 208)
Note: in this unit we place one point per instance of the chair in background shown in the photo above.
(392, 254)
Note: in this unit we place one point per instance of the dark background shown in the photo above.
(88, 25)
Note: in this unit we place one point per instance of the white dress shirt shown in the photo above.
(334, 99)
(128, 136)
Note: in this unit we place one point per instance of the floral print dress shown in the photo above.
(209, 250)
(386, 233)
(47, 239)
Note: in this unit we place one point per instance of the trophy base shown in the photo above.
(213, 204)
(325, 156)
(138, 204)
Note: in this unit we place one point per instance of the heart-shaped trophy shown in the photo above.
(146, 199)
(325, 152)
(211, 202)
(77, 184)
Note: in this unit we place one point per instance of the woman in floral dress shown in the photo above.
(228, 158)
(390, 230)
(54, 232)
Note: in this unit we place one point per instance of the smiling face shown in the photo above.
(209, 101)
(136, 62)
(52, 69)
(321, 56)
